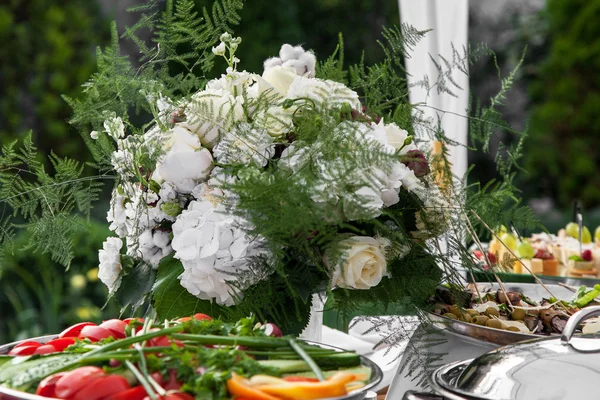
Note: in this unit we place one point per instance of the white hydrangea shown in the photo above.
(116, 214)
(245, 145)
(110, 262)
(213, 250)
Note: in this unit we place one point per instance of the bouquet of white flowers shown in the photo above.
(251, 192)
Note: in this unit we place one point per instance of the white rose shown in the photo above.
(185, 163)
(363, 264)
(110, 262)
(396, 137)
(211, 113)
(323, 92)
(280, 78)
(277, 120)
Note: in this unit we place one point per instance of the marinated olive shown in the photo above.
(513, 329)
(450, 315)
(472, 312)
(518, 314)
(480, 320)
(455, 310)
(491, 311)
(493, 323)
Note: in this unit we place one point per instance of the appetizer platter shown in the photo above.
(184, 359)
(509, 314)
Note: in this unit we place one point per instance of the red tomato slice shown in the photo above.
(172, 383)
(116, 326)
(299, 379)
(163, 341)
(45, 349)
(28, 343)
(94, 333)
(23, 351)
(184, 319)
(202, 317)
(75, 330)
(134, 393)
(128, 321)
(48, 384)
(102, 387)
(73, 381)
(62, 343)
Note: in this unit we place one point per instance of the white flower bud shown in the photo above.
(225, 37)
(219, 50)
(94, 135)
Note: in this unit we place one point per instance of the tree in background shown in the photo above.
(563, 151)
(48, 49)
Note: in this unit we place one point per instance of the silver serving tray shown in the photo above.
(498, 336)
(359, 394)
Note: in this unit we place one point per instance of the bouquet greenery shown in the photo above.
(251, 192)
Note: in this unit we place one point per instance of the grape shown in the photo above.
(525, 250)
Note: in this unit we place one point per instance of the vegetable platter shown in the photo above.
(189, 358)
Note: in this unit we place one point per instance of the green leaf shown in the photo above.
(135, 286)
(171, 300)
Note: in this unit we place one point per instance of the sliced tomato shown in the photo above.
(134, 393)
(73, 381)
(299, 379)
(163, 341)
(94, 333)
(128, 321)
(172, 383)
(75, 330)
(45, 349)
(136, 322)
(62, 343)
(23, 351)
(184, 319)
(28, 343)
(102, 387)
(48, 384)
(116, 326)
(202, 317)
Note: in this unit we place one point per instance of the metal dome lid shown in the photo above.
(546, 369)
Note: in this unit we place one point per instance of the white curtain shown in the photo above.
(449, 21)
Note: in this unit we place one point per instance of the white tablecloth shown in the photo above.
(384, 341)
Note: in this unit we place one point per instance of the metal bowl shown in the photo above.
(359, 394)
(479, 332)
(565, 368)
(493, 335)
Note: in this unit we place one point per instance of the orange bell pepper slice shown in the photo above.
(333, 387)
(240, 387)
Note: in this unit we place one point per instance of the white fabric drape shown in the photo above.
(449, 21)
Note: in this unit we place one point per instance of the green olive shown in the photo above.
(450, 315)
(480, 320)
(491, 311)
(466, 317)
(472, 312)
(513, 329)
(455, 310)
(493, 323)
(518, 314)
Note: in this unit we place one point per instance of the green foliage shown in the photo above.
(183, 40)
(37, 295)
(562, 153)
(47, 50)
(46, 201)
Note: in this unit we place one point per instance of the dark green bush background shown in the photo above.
(48, 49)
